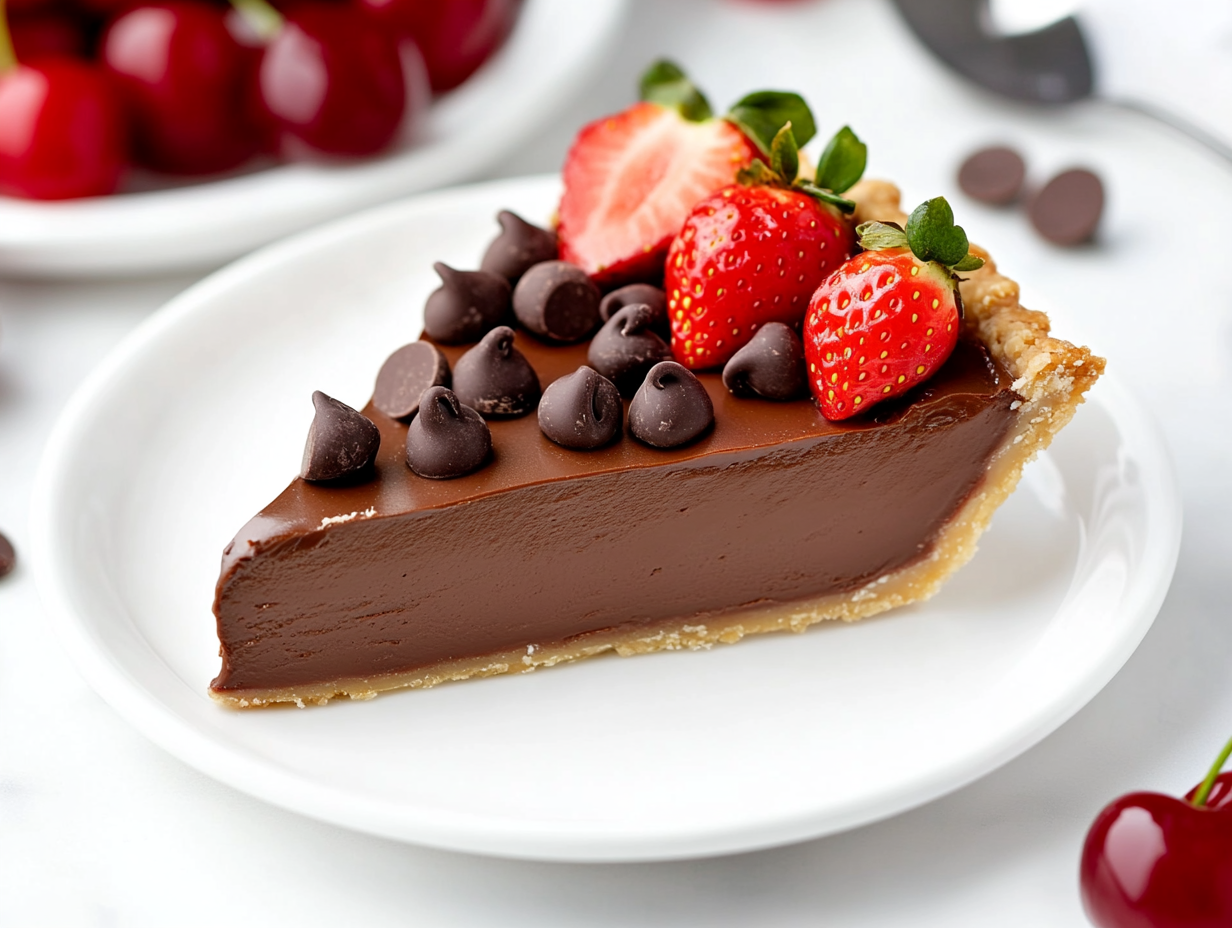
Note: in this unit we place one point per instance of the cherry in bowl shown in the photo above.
(61, 131)
(331, 82)
(185, 81)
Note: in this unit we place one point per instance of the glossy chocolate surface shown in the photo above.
(773, 504)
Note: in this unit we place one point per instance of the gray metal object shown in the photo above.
(1051, 65)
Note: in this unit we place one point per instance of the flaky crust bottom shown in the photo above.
(1050, 375)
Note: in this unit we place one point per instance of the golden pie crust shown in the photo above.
(1050, 375)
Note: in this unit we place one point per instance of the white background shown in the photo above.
(98, 827)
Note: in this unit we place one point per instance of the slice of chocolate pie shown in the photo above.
(773, 520)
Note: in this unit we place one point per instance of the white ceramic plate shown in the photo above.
(557, 44)
(198, 419)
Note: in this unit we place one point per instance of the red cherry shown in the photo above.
(61, 131)
(25, 6)
(105, 8)
(48, 35)
(183, 79)
(1154, 861)
(332, 82)
(455, 36)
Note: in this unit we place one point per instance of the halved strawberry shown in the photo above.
(888, 318)
(632, 178)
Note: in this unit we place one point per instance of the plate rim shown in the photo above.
(555, 841)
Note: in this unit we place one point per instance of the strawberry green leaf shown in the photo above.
(932, 234)
(664, 83)
(827, 196)
(969, 262)
(760, 115)
(880, 236)
(784, 156)
(843, 161)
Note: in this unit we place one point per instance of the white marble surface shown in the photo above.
(98, 827)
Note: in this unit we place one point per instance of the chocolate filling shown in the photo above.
(773, 505)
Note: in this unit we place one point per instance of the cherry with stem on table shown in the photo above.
(1154, 861)
(61, 127)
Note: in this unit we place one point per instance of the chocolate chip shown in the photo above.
(405, 375)
(1067, 210)
(672, 408)
(466, 305)
(581, 410)
(625, 348)
(518, 248)
(557, 301)
(340, 442)
(770, 366)
(494, 378)
(993, 175)
(8, 557)
(647, 295)
(446, 439)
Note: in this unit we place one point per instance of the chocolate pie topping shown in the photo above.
(557, 301)
(447, 439)
(466, 305)
(771, 365)
(672, 408)
(626, 348)
(341, 441)
(495, 379)
(405, 375)
(581, 410)
(518, 248)
(646, 294)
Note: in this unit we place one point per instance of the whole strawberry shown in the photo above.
(755, 251)
(889, 317)
(631, 178)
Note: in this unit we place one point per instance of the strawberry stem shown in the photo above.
(1199, 800)
(8, 55)
(261, 17)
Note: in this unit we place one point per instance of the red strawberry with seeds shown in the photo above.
(888, 318)
(631, 178)
(755, 252)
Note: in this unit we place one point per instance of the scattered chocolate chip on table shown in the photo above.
(993, 175)
(8, 557)
(1067, 210)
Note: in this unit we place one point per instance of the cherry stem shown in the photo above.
(8, 56)
(1208, 784)
(260, 16)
